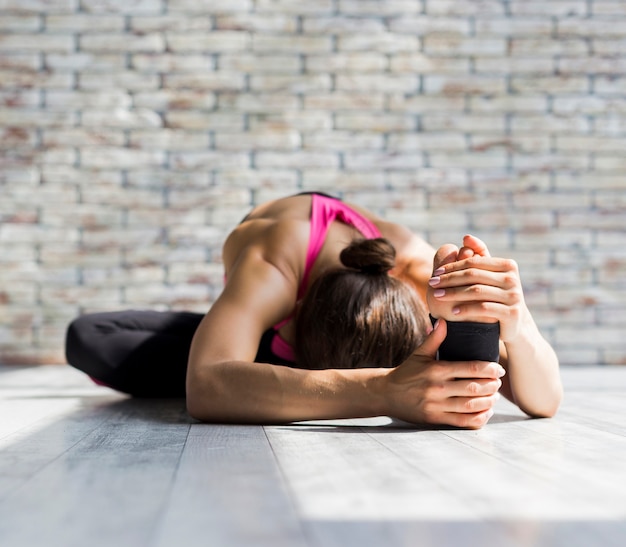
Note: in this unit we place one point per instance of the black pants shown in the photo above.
(143, 353)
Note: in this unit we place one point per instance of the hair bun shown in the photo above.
(370, 256)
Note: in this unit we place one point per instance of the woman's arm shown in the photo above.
(224, 385)
(486, 289)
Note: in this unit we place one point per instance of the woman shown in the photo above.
(339, 296)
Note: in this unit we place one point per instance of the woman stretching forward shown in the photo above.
(325, 315)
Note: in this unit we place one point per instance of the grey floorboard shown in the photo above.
(82, 465)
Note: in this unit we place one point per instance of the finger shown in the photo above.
(468, 421)
(477, 245)
(446, 254)
(471, 405)
(473, 370)
(434, 339)
(465, 252)
(477, 262)
(476, 387)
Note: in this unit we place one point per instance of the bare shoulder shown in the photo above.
(281, 242)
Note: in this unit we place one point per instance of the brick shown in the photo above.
(558, 8)
(592, 65)
(340, 25)
(78, 136)
(509, 103)
(306, 83)
(37, 42)
(344, 101)
(168, 139)
(66, 100)
(381, 42)
(210, 81)
(172, 22)
(35, 118)
(547, 124)
(467, 123)
(589, 104)
(172, 100)
(129, 80)
(610, 7)
(299, 120)
(332, 179)
(172, 63)
(421, 103)
(425, 64)
(300, 159)
(295, 6)
(121, 157)
(342, 140)
(209, 159)
(213, 42)
(590, 28)
(377, 8)
(285, 179)
(247, 102)
(265, 64)
(261, 140)
(84, 23)
(547, 47)
(346, 62)
(37, 6)
(515, 65)
(474, 160)
(305, 44)
(461, 85)
(376, 122)
(423, 25)
(20, 23)
(136, 7)
(11, 79)
(513, 26)
(258, 22)
(614, 46)
(215, 6)
(110, 42)
(405, 142)
(374, 83)
(552, 161)
(194, 119)
(364, 161)
(93, 62)
(470, 7)
(609, 125)
(20, 61)
(597, 144)
(122, 118)
(550, 84)
(604, 85)
(463, 46)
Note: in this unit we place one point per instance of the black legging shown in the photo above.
(143, 353)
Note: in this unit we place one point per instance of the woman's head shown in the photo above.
(359, 316)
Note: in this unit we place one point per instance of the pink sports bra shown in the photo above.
(324, 210)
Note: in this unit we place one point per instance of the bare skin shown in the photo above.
(264, 261)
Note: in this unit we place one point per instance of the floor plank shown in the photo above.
(97, 468)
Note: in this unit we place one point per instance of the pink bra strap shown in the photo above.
(323, 211)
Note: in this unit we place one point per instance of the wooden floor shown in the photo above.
(83, 466)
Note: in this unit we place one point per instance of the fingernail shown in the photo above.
(434, 281)
(436, 324)
(501, 371)
(490, 413)
(439, 271)
(456, 311)
(438, 293)
(497, 395)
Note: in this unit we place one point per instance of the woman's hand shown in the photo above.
(473, 286)
(424, 390)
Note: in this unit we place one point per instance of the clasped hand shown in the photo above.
(467, 285)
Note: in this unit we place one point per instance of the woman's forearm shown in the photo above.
(533, 372)
(244, 392)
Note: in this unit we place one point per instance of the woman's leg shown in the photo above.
(143, 353)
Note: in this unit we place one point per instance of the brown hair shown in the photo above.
(359, 316)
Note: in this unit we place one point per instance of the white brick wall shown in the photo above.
(135, 133)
